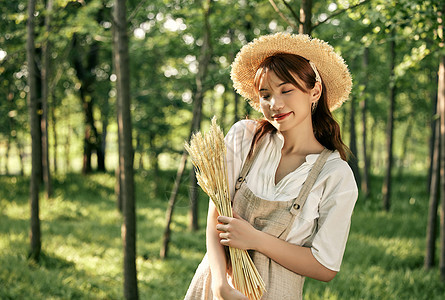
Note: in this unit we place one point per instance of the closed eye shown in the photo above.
(288, 91)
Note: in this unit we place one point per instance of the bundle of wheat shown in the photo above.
(208, 155)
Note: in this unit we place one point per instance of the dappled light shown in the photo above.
(90, 89)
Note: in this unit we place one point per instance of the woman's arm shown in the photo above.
(238, 233)
(217, 260)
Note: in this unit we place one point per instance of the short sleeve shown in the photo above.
(238, 141)
(335, 211)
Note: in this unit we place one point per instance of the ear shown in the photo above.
(316, 92)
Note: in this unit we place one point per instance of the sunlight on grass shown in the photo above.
(82, 245)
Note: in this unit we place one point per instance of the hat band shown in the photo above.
(317, 76)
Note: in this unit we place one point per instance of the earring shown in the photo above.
(314, 106)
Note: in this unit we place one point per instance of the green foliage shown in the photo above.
(82, 252)
(165, 43)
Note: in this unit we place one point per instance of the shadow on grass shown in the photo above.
(21, 278)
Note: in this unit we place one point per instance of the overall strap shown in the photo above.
(310, 181)
(248, 164)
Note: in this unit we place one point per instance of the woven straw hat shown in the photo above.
(331, 66)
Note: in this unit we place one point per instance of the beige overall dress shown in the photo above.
(273, 217)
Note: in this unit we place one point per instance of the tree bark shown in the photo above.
(45, 96)
(305, 17)
(364, 108)
(386, 188)
(36, 155)
(126, 154)
(54, 133)
(441, 105)
(431, 231)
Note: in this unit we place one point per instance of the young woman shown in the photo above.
(293, 191)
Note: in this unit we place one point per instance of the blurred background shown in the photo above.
(68, 81)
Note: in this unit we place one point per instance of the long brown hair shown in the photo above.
(285, 66)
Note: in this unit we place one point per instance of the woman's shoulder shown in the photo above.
(244, 129)
(244, 125)
(338, 172)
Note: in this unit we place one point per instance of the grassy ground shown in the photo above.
(82, 252)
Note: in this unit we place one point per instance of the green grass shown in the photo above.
(82, 248)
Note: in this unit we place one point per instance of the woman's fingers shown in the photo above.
(224, 219)
(222, 227)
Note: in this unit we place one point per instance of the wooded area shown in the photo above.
(114, 87)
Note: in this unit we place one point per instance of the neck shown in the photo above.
(301, 141)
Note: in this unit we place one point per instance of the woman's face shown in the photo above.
(284, 105)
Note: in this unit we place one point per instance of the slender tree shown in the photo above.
(386, 188)
(305, 17)
(364, 108)
(204, 62)
(126, 156)
(431, 231)
(353, 161)
(45, 72)
(36, 150)
(441, 105)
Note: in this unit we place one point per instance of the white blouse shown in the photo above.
(323, 224)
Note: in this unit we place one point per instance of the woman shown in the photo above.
(293, 192)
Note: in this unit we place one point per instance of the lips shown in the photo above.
(279, 117)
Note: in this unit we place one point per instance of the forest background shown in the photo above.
(179, 63)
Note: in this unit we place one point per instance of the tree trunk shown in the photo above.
(154, 164)
(117, 188)
(54, 132)
(67, 149)
(103, 140)
(8, 148)
(92, 138)
(118, 184)
(126, 154)
(45, 96)
(21, 157)
(36, 155)
(405, 143)
(204, 62)
(223, 112)
(196, 121)
(431, 232)
(434, 135)
(305, 17)
(364, 108)
(235, 94)
(353, 161)
(171, 205)
(386, 188)
(140, 151)
(441, 106)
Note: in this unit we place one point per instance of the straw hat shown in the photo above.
(331, 66)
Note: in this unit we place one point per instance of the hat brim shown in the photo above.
(331, 66)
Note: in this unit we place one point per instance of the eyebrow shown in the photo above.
(283, 83)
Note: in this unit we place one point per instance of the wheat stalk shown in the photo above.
(208, 155)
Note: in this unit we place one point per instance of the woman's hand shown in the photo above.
(237, 232)
(226, 292)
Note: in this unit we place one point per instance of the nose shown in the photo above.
(276, 103)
